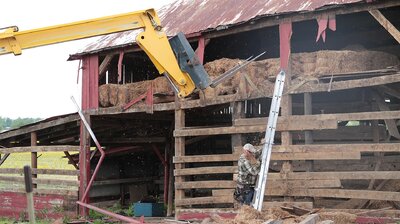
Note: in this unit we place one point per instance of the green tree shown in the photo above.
(6, 122)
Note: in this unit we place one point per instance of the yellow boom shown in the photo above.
(152, 40)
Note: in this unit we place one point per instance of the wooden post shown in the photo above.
(34, 155)
(386, 24)
(307, 111)
(29, 194)
(308, 139)
(171, 180)
(285, 32)
(237, 112)
(179, 151)
(84, 166)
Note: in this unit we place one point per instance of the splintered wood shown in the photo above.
(259, 74)
(247, 214)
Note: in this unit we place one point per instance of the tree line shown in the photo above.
(8, 123)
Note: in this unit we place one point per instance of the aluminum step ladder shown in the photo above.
(269, 141)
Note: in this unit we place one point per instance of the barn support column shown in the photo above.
(308, 138)
(179, 151)
(90, 100)
(237, 112)
(34, 155)
(285, 33)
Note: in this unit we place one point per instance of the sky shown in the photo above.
(40, 82)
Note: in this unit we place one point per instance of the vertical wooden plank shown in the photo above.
(171, 180)
(179, 151)
(34, 155)
(285, 32)
(84, 165)
(307, 111)
(237, 112)
(308, 134)
(90, 82)
(90, 100)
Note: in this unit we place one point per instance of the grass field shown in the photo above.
(46, 160)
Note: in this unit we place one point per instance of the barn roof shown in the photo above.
(196, 16)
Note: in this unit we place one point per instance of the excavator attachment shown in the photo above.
(188, 61)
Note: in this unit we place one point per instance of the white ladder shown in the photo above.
(269, 141)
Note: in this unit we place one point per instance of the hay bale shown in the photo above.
(104, 99)
(313, 64)
(113, 94)
(261, 73)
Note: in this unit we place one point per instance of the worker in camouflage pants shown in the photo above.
(248, 167)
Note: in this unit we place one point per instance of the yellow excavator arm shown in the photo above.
(152, 40)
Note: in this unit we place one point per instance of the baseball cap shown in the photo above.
(249, 147)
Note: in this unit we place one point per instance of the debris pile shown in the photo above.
(247, 214)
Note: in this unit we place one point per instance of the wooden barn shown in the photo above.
(337, 142)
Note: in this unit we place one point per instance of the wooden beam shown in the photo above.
(67, 193)
(386, 24)
(390, 123)
(361, 116)
(329, 193)
(179, 151)
(71, 160)
(206, 170)
(341, 193)
(311, 219)
(40, 171)
(276, 204)
(124, 181)
(104, 65)
(275, 156)
(282, 126)
(206, 184)
(3, 159)
(349, 175)
(56, 182)
(273, 183)
(299, 152)
(342, 85)
(390, 91)
(301, 192)
(55, 148)
(39, 126)
(376, 147)
(204, 200)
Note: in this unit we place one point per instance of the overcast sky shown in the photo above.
(40, 82)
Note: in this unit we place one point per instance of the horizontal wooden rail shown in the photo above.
(362, 116)
(225, 196)
(275, 156)
(56, 182)
(40, 171)
(298, 125)
(273, 183)
(326, 148)
(53, 148)
(124, 181)
(70, 193)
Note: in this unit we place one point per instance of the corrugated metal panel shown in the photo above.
(193, 16)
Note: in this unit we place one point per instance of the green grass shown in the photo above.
(46, 160)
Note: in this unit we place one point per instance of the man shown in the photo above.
(248, 167)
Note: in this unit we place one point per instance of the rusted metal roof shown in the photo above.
(196, 16)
